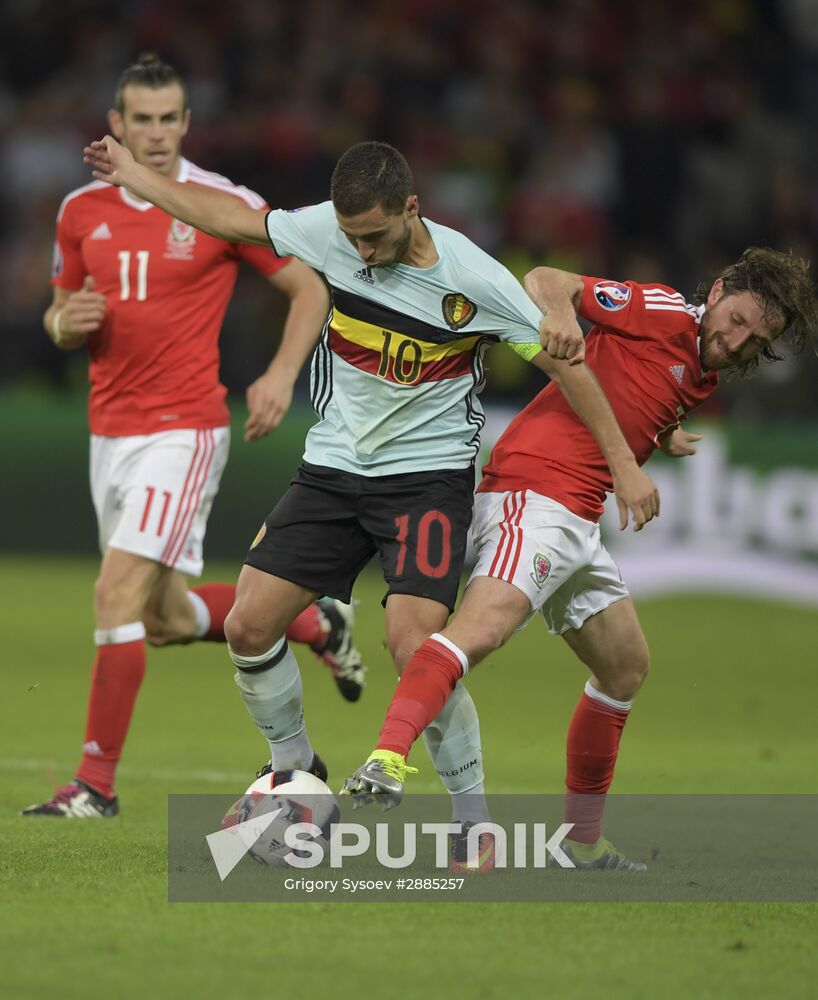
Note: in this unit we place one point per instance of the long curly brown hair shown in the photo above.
(781, 285)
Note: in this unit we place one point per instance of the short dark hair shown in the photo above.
(148, 71)
(781, 285)
(369, 174)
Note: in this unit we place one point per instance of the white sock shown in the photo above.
(119, 635)
(470, 806)
(453, 742)
(271, 687)
(202, 613)
(293, 753)
(606, 699)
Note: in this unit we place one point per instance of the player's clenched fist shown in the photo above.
(268, 400)
(82, 313)
(561, 337)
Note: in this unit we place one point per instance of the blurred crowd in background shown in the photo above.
(638, 139)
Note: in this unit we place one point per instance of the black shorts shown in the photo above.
(330, 523)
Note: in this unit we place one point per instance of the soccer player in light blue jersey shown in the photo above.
(388, 467)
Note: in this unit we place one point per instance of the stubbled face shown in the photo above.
(152, 125)
(733, 329)
(379, 238)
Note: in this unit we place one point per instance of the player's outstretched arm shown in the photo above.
(634, 489)
(557, 294)
(214, 212)
(269, 397)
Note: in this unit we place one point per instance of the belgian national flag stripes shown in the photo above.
(396, 347)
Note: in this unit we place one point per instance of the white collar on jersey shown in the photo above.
(143, 206)
(698, 313)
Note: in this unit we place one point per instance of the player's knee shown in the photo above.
(478, 638)
(492, 635)
(111, 601)
(244, 637)
(236, 632)
(404, 638)
(401, 653)
(475, 645)
(624, 682)
(639, 667)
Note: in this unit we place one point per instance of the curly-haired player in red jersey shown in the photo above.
(148, 294)
(535, 526)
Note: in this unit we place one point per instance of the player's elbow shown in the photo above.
(553, 286)
(235, 222)
(536, 280)
(251, 226)
(544, 278)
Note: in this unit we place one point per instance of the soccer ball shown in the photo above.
(299, 797)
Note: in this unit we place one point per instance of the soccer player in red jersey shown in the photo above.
(148, 294)
(535, 526)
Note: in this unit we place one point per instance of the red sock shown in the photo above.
(423, 690)
(219, 598)
(593, 745)
(308, 627)
(117, 675)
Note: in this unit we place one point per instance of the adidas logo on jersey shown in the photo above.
(102, 232)
(678, 372)
(365, 274)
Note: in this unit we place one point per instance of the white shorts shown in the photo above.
(553, 556)
(153, 492)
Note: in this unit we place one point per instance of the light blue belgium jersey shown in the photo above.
(397, 371)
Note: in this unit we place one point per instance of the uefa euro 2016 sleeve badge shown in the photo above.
(611, 295)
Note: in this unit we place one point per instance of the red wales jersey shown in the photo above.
(155, 360)
(644, 350)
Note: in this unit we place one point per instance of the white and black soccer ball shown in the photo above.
(298, 797)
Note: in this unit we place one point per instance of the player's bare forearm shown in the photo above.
(582, 390)
(557, 295)
(635, 490)
(270, 396)
(309, 306)
(214, 212)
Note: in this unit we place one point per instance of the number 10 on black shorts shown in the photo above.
(330, 523)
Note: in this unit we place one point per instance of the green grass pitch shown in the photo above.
(84, 905)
